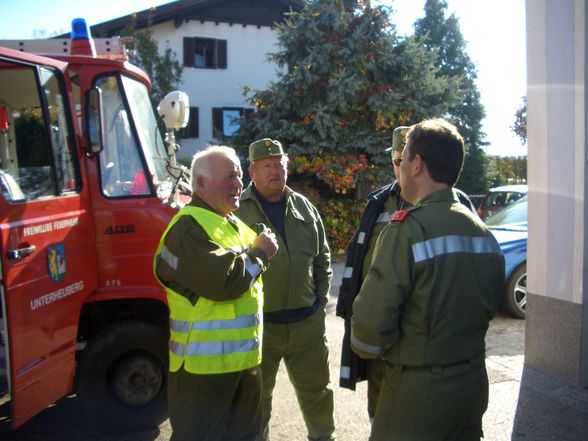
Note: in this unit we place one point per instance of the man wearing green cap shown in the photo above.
(295, 287)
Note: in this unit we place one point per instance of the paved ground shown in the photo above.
(539, 407)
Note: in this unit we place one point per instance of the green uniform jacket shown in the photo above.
(300, 271)
(203, 268)
(436, 280)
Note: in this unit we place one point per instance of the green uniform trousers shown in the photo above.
(432, 403)
(216, 407)
(303, 347)
(374, 373)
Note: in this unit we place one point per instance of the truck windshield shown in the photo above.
(147, 130)
(133, 151)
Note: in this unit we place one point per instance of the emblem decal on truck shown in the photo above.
(56, 262)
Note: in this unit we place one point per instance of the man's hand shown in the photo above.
(266, 242)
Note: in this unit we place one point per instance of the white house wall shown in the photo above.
(247, 47)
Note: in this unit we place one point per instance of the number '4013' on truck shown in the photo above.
(87, 186)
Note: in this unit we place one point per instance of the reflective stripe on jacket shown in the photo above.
(213, 337)
(436, 280)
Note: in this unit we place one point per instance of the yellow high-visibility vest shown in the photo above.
(213, 337)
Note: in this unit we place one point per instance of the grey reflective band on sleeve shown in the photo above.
(345, 372)
(169, 258)
(348, 272)
(439, 246)
(383, 218)
(364, 347)
(253, 268)
(361, 237)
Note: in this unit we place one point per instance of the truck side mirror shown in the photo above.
(94, 122)
(174, 109)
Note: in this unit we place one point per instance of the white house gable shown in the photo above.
(222, 45)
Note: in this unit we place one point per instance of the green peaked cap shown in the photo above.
(264, 148)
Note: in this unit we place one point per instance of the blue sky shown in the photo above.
(494, 31)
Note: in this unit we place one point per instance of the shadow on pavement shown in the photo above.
(550, 409)
(65, 421)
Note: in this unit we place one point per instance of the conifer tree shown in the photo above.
(519, 128)
(346, 81)
(443, 37)
(164, 69)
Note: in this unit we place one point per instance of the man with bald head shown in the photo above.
(210, 264)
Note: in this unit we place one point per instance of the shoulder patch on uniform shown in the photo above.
(399, 216)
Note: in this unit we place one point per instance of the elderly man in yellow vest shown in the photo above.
(210, 265)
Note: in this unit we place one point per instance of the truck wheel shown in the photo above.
(122, 376)
(515, 299)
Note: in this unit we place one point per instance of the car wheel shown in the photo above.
(122, 376)
(515, 300)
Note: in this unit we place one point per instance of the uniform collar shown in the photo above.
(196, 201)
(248, 193)
(445, 195)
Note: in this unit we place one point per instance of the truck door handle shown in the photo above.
(21, 253)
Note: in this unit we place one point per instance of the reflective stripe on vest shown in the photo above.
(215, 337)
(213, 347)
(239, 322)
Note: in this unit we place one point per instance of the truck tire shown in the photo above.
(122, 376)
(515, 298)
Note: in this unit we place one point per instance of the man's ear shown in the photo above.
(419, 165)
(251, 170)
(200, 182)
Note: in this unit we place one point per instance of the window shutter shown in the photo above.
(194, 123)
(189, 49)
(221, 54)
(217, 121)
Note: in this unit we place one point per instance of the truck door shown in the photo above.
(48, 262)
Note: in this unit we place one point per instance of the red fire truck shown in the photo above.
(87, 186)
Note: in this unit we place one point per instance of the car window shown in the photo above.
(515, 216)
(513, 197)
(494, 199)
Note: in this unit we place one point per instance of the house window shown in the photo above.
(205, 53)
(192, 129)
(225, 120)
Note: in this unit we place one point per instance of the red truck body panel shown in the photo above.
(72, 248)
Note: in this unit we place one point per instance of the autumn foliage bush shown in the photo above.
(335, 185)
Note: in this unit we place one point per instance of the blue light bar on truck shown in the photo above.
(79, 29)
(81, 40)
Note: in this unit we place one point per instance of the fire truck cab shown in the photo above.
(87, 186)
